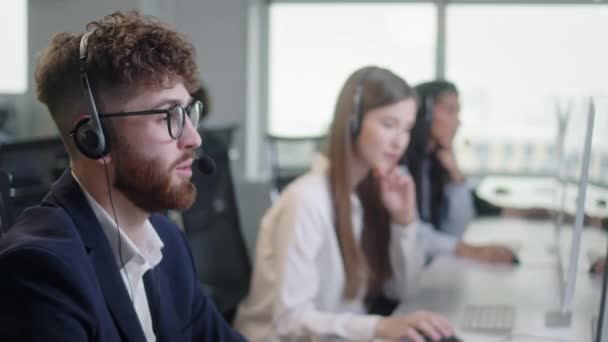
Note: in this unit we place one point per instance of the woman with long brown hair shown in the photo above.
(346, 230)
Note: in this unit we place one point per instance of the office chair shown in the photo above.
(32, 165)
(34, 161)
(213, 229)
(223, 135)
(289, 158)
(5, 191)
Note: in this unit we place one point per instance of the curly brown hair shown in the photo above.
(125, 51)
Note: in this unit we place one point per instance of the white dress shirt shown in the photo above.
(297, 289)
(138, 257)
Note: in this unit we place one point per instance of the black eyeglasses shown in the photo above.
(176, 116)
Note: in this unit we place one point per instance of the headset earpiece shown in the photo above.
(428, 109)
(356, 118)
(87, 140)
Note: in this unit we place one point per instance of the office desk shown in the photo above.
(534, 240)
(525, 192)
(532, 287)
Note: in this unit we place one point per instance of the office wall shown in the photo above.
(216, 27)
(44, 18)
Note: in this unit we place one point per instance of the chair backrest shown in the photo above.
(5, 191)
(32, 165)
(221, 135)
(289, 158)
(34, 161)
(213, 229)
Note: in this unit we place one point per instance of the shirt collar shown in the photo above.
(147, 246)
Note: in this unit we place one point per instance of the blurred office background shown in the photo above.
(273, 68)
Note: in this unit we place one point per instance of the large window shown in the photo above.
(315, 47)
(515, 66)
(13, 39)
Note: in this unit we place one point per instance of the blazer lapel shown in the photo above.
(164, 317)
(67, 193)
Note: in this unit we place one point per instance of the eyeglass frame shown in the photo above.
(185, 110)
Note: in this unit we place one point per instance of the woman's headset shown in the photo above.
(357, 117)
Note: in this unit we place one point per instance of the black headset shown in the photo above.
(89, 135)
(428, 108)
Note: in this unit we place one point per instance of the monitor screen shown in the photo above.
(574, 179)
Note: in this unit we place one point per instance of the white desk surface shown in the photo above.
(534, 240)
(531, 287)
(524, 192)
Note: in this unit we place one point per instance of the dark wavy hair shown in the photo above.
(125, 52)
(417, 151)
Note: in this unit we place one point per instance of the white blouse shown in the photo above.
(298, 281)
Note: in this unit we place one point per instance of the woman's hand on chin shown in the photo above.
(398, 194)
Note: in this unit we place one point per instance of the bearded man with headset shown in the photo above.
(93, 262)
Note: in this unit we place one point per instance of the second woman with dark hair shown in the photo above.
(444, 200)
(345, 231)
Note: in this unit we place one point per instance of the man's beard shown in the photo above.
(143, 182)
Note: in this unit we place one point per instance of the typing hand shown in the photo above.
(495, 254)
(414, 327)
(398, 194)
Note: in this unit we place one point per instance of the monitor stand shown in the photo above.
(558, 319)
(563, 316)
(593, 328)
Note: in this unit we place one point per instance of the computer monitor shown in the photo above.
(600, 322)
(601, 329)
(576, 181)
(562, 116)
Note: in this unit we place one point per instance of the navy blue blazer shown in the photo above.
(59, 280)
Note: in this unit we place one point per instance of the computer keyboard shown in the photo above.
(488, 318)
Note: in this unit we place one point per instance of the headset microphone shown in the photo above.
(205, 164)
